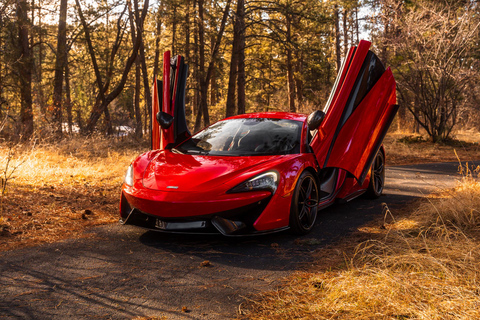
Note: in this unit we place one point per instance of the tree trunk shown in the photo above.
(24, 66)
(60, 62)
(32, 22)
(230, 106)
(157, 40)
(269, 95)
(351, 23)
(298, 79)
(79, 120)
(136, 101)
(138, 114)
(201, 70)
(291, 83)
(2, 99)
(40, 62)
(68, 100)
(338, 59)
(213, 88)
(188, 110)
(383, 54)
(108, 121)
(146, 81)
(328, 83)
(196, 73)
(345, 32)
(174, 28)
(213, 80)
(146, 86)
(356, 25)
(206, 76)
(241, 57)
(416, 108)
(147, 124)
(401, 114)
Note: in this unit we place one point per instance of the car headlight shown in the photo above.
(129, 176)
(265, 181)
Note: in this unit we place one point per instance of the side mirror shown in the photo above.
(164, 119)
(315, 119)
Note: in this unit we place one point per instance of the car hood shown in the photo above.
(180, 172)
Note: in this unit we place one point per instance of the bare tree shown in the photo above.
(433, 64)
(204, 77)
(104, 99)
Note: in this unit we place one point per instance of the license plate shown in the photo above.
(160, 224)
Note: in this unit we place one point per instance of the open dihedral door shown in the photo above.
(169, 124)
(359, 112)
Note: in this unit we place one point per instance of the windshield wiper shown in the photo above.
(203, 152)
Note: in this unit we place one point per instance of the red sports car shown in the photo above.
(261, 172)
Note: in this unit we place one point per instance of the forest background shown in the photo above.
(84, 69)
(78, 67)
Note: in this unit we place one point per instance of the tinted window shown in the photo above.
(257, 136)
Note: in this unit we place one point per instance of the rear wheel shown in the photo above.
(377, 177)
(303, 211)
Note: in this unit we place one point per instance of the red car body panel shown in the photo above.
(190, 173)
(207, 196)
(171, 186)
(168, 205)
(155, 138)
(322, 142)
(363, 132)
(167, 134)
(350, 138)
(172, 103)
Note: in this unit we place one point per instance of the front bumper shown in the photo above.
(230, 215)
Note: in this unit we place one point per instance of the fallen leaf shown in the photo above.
(205, 263)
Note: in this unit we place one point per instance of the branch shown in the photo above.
(218, 41)
(132, 57)
(91, 51)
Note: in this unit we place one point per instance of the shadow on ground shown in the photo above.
(119, 272)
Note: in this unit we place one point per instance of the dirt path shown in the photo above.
(120, 272)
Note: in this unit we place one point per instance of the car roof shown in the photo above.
(273, 115)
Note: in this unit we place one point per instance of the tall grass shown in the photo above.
(61, 188)
(425, 265)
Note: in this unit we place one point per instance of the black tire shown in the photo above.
(303, 210)
(377, 177)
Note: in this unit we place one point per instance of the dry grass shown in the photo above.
(402, 148)
(426, 265)
(62, 189)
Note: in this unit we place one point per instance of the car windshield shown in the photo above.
(245, 137)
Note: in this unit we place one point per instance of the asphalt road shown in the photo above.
(120, 272)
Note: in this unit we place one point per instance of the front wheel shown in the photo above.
(303, 211)
(377, 177)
